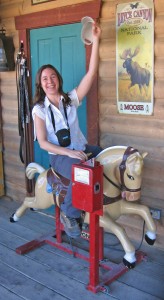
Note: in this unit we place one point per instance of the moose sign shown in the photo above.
(135, 57)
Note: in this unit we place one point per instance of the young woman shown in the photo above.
(54, 111)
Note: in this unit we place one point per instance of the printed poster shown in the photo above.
(135, 57)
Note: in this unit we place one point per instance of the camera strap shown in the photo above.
(53, 119)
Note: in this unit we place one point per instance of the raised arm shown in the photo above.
(87, 80)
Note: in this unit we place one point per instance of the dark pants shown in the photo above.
(62, 164)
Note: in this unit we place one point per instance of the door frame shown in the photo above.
(54, 17)
(2, 189)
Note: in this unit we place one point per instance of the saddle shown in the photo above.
(59, 185)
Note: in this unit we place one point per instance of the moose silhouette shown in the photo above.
(138, 75)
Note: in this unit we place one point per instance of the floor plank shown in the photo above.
(24, 287)
(7, 294)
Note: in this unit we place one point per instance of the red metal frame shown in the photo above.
(94, 257)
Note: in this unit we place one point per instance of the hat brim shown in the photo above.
(86, 32)
(86, 20)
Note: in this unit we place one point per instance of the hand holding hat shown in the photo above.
(89, 30)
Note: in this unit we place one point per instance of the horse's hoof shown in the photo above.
(128, 264)
(149, 241)
(14, 218)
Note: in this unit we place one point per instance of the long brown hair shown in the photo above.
(39, 92)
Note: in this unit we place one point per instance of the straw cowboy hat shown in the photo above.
(86, 31)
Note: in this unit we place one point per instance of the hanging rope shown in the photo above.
(24, 117)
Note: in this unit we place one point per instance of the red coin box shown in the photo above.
(87, 186)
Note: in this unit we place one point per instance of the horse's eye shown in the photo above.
(130, 177)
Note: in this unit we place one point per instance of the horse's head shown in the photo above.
(122, 172)
(129, 174)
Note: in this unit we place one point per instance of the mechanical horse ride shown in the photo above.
(122, 176)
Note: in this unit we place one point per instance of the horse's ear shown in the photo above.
(131, 158)
(144, 154)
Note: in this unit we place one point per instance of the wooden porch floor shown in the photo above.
(48, 273)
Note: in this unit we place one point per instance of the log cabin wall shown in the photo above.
(145, 133)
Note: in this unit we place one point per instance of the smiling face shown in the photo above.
(49, 82)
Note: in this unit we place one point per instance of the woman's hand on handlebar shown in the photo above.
(77, 154)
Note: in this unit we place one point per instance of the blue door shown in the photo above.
(60, 46)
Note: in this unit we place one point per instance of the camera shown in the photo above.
(64, 138)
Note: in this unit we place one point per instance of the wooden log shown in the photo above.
(15, 173)
(131, 125)
(158, 88)
(153, 202)
(107, 69)
(107, 88)
(127, 221)
(10, 115)
(159, 22)
(16, 194)
(159, 68)
(152, 189)
(154, 169)
(159, 46)
(107, 49)
(109, 107)
(159, 8)
(108, 10)
(108, 29)
(153, 146)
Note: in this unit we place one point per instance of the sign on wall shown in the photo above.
(135, 57)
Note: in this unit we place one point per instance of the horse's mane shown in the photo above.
(111, 148)
(109, 153)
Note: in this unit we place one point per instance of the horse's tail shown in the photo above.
(32, 169)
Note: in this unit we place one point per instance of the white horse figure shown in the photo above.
(122, 168)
